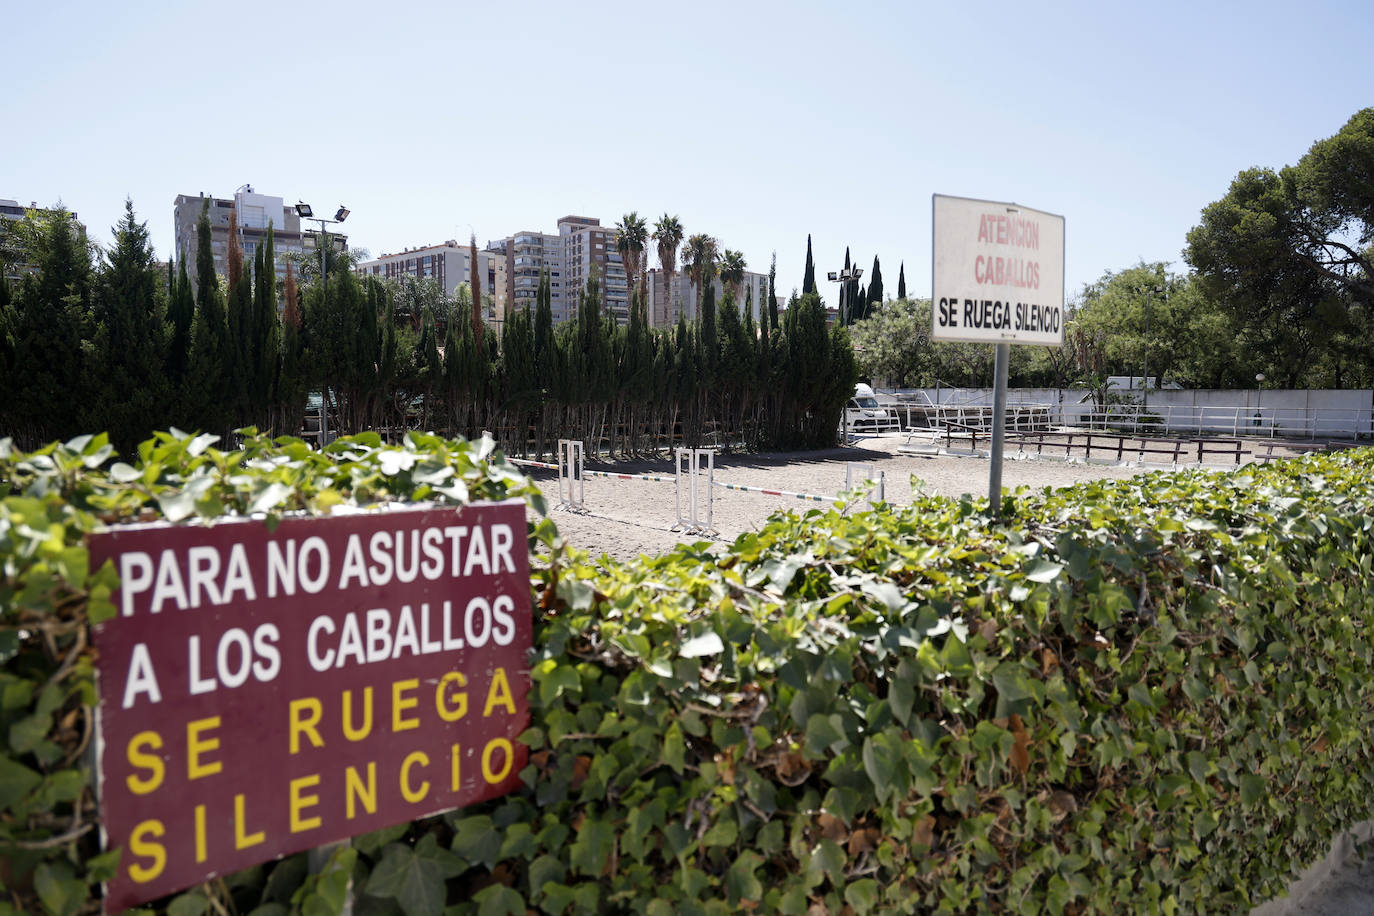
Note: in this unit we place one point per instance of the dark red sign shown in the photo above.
(267, 692)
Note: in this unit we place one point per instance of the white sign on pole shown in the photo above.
(997, 272)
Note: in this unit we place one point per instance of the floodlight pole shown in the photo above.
(999, 427)
(305, 212)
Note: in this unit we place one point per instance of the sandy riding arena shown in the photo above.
(624, 518)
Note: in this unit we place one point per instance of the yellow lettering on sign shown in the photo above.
(458, 698)
(305, 719)
(362, 731)
(195, 746)
(400, 703)
(140, 845)
(409, 794)
(139, 758)
(355, 790)
(491, 776)
(498, 694)
(200, 833)
(244, 840)
(299, 800)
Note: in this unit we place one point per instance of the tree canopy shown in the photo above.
(1288, 254)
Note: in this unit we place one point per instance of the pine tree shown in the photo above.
(129, 312)
(901, 281)
(48, 395)
(809, 277)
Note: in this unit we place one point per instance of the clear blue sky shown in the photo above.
(756, 123)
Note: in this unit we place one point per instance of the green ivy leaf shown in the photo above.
(16, 780)
(191, 903)
(499, 900)
(414, 878)
(862, 895)
(62, 894)
(1044, 571)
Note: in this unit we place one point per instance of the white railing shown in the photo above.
(1279, 414)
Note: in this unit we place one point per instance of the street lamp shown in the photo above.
(848, 279)
(1259, 396)
(304, 211)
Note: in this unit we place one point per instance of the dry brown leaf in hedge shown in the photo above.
(832, 828)
(865, 840)
(923, 834)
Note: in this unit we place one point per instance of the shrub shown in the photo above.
(1151, 695)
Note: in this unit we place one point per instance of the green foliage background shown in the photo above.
(121, 344)
(1153, 695)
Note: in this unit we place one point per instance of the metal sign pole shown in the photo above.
(999, 427)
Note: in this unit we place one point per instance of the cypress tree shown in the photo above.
(181, 314)
(239, 316)
(846, 307)
(875, 289)
(901, 281)
(477, 323)
(709, 338)
(430, 368)
(545, 354)
(206, 279)
(293, 383)
(266, 329)
(772, 297)
(809, 276)
(206, 366)
(127, 308)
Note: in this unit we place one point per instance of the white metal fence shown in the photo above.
(1279, 414)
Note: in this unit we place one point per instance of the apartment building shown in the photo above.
(12, 212)
(589, 249)
(665, 301)
(448, 264)
(528, 254)
(255, 213)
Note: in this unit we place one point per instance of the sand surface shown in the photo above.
(624, 518)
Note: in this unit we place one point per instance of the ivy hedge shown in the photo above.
(1151, 695)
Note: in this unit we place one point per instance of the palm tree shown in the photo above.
(732, 272)
(699, 260)
(668, 234)
(630, 235)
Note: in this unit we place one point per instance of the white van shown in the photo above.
(865, 415)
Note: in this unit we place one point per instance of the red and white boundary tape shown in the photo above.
(693, 480)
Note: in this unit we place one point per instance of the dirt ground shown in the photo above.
(624, 518)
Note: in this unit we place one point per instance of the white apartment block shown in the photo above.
(581, 247)
(666, 303)
(255, 212)
(528, 254)
(448, 264)
(589, 248)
